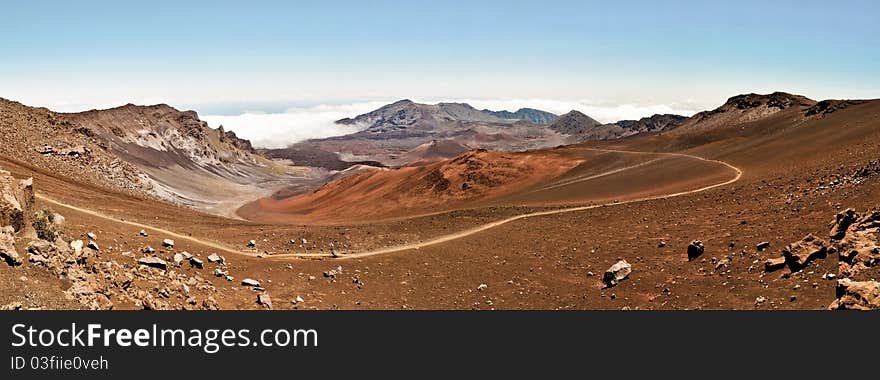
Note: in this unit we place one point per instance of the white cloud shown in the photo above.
(277, 130)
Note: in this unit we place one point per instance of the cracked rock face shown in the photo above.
(857, 240)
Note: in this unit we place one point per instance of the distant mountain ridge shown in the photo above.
(534, 115)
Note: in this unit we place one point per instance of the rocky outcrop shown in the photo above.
(16, 203)
(856, 295)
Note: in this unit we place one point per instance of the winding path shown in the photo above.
(434, 241)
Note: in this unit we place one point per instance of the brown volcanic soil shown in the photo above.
(474, 176)
(788, 160)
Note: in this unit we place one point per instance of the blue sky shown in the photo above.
(229, 57)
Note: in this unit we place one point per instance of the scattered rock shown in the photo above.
(76, 246)
(196, 263)
(220, 273)
(143, 233)
(265, 300)
(178, 259)
(762, 246)
(616, 273)
(774, 264)
(250, 282)
(168, 243)
(148, 249)
(297, 300)
(154, 262)
(92, 236)
(482, 287)
(695, 249)
(252, 243)
(93, 245)
(215, 258)
(661, 244)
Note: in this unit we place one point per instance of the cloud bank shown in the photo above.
(278, 130)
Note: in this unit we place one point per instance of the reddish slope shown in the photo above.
(477, 175)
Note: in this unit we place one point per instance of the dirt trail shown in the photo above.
(438, 240)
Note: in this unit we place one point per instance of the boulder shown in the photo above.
(215, 258)
(168, 243)
(762, 246)
(154, 262)
(616, 273)
(695, 249)
(7, 246)
(799, 254)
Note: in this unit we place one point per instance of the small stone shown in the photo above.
(661, 244)
(252, 243)
(265, 300)
(250, 282)
(148, 249)
(152, 261)
(178, 259)
(297, 300)
(215, 258)
(143, 233)
(774, 264)
(92, 236)
(482, 287)
(168, 243)
(196, 263)
(93, 245)
(76, 246)
(762, 246)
